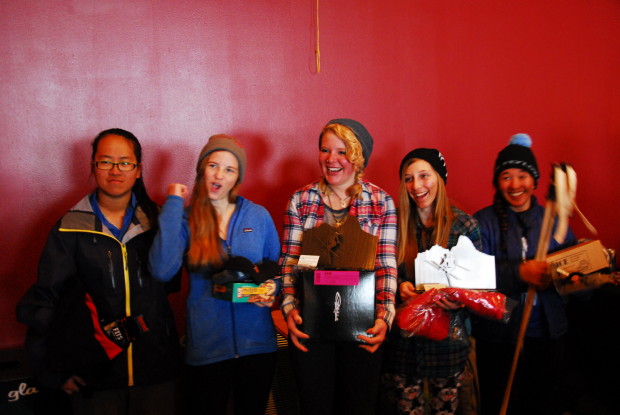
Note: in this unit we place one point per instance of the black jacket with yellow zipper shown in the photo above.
(87, 281)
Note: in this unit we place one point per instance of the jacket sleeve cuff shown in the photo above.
(386, 313)
(289, 302)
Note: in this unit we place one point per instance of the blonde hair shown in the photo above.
(354, 154)
(408, 220)
(204, 243)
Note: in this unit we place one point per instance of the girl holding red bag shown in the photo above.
(426, 218)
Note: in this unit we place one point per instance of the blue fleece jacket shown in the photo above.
(549, 315)
(216, 329)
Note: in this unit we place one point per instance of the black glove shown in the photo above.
(227, 275)
(235, 269)
(239, 263)
(125, 330)
(267, 270)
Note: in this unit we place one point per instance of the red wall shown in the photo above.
(459, 76)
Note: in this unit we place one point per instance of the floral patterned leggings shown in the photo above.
(405, 394)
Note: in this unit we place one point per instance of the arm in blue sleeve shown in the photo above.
(271, 249)
(506, 270)
(171, 242)
(272, 240)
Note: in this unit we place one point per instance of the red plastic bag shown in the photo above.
(421, 316)
(487, 304)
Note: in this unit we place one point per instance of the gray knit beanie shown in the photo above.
(222, 142)
(361, 133)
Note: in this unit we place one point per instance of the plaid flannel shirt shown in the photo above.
(419, 356)
(376, 213)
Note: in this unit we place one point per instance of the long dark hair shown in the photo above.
(500, 206)
(149, 207)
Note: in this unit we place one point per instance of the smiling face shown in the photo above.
(114, 183)
(517, 186)
(221, 173)
(421, 183)
(338, 171)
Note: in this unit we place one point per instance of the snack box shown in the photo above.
(585, 257)
(237, 292)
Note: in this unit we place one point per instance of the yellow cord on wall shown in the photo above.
(317, 52)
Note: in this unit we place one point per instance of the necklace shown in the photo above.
(343, 202)
(337, 217)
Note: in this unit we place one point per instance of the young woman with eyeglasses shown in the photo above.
(100, 326)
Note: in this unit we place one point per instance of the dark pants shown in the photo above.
(136, 400)
(337, 378)
(207, 389)
(542, 380)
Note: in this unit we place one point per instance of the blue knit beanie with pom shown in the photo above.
(518, 155)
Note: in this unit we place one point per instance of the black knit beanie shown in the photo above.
(362, 135)
(222, 142)
(518, 155)
(430, 155)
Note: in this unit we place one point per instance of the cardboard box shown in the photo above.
(237, 292)
(336, 305)
(343, 247)
(585, 257)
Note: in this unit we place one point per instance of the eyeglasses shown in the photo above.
(108, 165)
